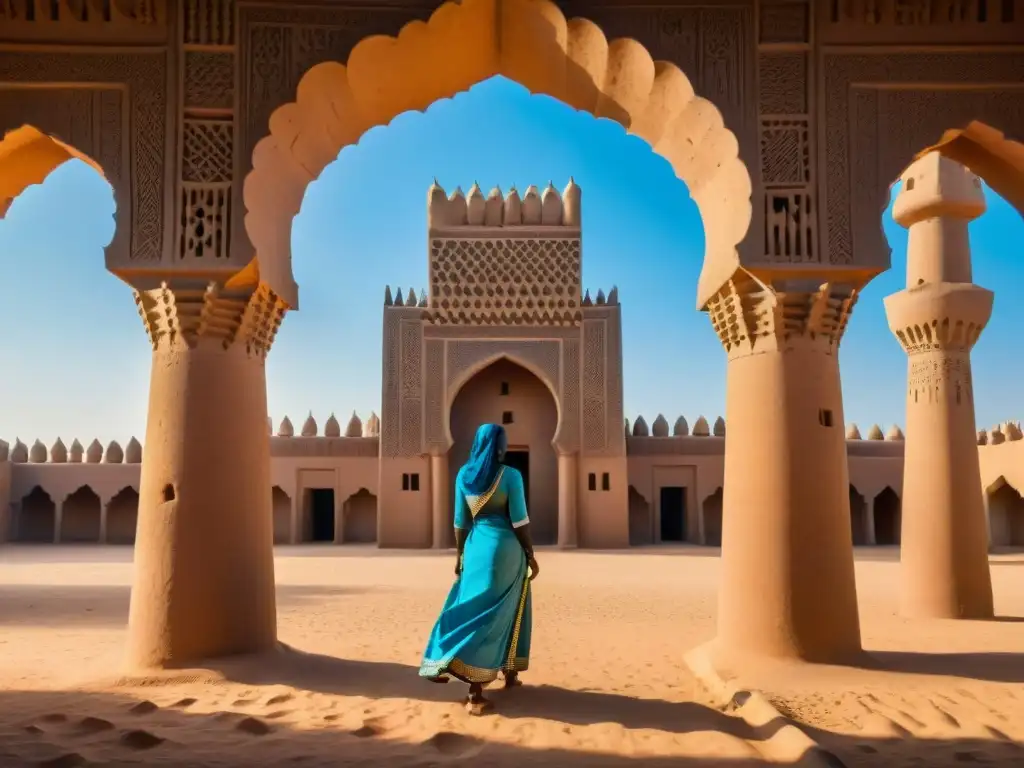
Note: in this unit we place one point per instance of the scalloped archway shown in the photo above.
(464, 43)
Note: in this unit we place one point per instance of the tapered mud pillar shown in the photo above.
(440, 495)
(204, 567)
(787, 589)
(938, 319)
(568, 477)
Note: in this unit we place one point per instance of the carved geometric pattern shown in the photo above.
(433, 395)
(783, 83)
(848, 130)
(569, 434)
(411, 413)
(390, 407)
(495, 281)
(209, 22)
(205, 217)
(921, 12)
(206, 150)
(145, 75)
(790, 226)
(209, 80)
(540, 354)
(785, 22)
(616, 441)
(785, 152)
(594, 386)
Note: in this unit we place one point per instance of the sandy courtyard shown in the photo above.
(608, 685)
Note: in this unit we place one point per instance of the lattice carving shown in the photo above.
(785, 152)
(208, 22)
(783, 87)
(145, 76)
(205, 221)
(790, 226)
(433, 395)
(209, 80)
(594, 386)
(922, 12)
(411, 387)
(206, 150)
(569, 434)
(390, 414)
(495, 281)
(785, 22)
(613, 377)
(82, 12)
(854, 137)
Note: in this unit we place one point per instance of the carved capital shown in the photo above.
(934, 317)
(751, 317)
(187, 311)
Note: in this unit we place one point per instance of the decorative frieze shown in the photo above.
(209, 80)
(208, 22)
(784, 22)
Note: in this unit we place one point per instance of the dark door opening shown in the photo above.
(673, 513)
(521, 461)
(321, 513)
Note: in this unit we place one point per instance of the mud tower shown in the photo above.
(938, 319)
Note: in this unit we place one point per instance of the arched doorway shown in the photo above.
(506, 393)
(888, 517)
(81, 516)
(713, 519)
(359, 518)
(282, 505)
(641, 521)
(37, 520)
(1006, 515)
(123, 516)
(858, 518)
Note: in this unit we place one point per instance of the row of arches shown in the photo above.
(644, 530)
(318, 519)
(81, 517)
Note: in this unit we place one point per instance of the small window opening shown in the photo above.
(506, 417)
(825, 417)
(504, 388)
(910, 183)
(169, 494)
(405, 481)
(414, 481)
(606, 481)
(592, 482)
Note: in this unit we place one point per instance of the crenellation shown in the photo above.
(5, 451)
(58, 452)
(534, 211)
(309, 427)
(853, 432)
(133, 451)
(719, 428)
(355, 426)
(875, 433)
(286, 429)
(19, 453)
(701, 428)
(640, 428)
(681, 428)
(37, 453)
(114, 454)
(77, 452)
(332, 428)
(94, 453)
(660, 426)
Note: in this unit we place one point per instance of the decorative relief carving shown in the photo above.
(411, 387)
(433, 395)
(569, 433)
(209, 80)
(923, 21)
(540, 355)
(790, 226)
(852, 136)
(208, 22)
(390, 414)
(616, 440)
(141, 191)
(785, 22)
(205, 219)
(206, 150)
(594, 386)
(783, 83)
(494, 281)
(785, 152)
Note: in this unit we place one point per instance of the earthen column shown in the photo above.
(568, 480)
(787, 588)
(938, 319)
(870, 537)
(204, 565)
(440, 500)
(58, 520)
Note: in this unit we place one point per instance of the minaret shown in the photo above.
(937, 319)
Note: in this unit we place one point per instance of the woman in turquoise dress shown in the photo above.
(484, 627)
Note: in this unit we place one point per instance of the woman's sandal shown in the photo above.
(513, 681)
(477, 706)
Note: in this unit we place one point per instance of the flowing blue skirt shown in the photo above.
(485, 625)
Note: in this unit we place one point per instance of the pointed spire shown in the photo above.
(600, 297)
(114, 453)
(640, 428)
(895, 434)
(286, 429)
(681, 428)
(513, 208)
(410, 300)
(331, 427)
(372, 426)
(853, 432)
(94, 453)
(388, 301)
(77, 452)
(355, 426)
(571, 204)
(1013, 432)
(875, 433)
(476, 206)
(660, 426)
(719, 429)
(5, 452)
(458, 212)
(19, 453)
(701, 428)
(133, 452)
(586, 299)
(309, 428)
(532, 206)
(423, 298)
(399, 301)
(613, 295)
(996, 436)
(494, 208)
(58, 452)
(551, 206)
(37, 453)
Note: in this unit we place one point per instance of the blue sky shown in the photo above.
(75, 358)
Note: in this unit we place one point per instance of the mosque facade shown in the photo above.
(506, 333)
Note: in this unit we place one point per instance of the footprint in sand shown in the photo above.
(454, 744)
(144, 708)
(279, 699)
(252, 726)
(91, 725)
(140, 740)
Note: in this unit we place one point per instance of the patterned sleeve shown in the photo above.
(463, 519)
(516, 498)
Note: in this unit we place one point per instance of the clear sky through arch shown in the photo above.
(75, 357)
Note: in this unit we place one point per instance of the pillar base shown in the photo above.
(204, 563)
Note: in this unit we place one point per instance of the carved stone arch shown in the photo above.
(458, 379)
(530, 42)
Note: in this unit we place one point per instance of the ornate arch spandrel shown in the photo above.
(541, 357)
(531, 42)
